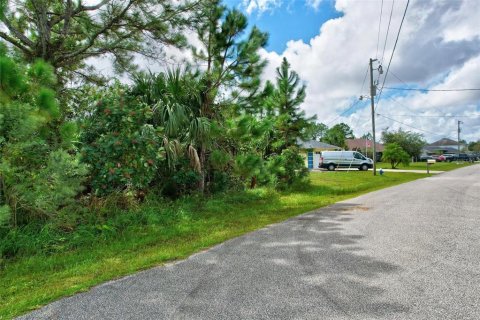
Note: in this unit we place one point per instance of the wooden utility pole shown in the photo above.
(458, 138)
(373, 92)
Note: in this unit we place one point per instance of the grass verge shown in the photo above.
(30, 282)
(440, 166)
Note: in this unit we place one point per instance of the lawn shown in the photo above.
(193, 225)
(441, 166)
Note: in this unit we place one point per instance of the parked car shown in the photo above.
(425, 158)
(344, 159)
(439, 158)
(463, 157)
(450, 157)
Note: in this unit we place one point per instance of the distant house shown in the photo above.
(311, 151)
(441, 146)
(365, 146)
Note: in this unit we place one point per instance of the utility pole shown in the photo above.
(373, 92)
(458, 137)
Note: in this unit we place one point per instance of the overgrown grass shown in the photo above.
(440, 166)
(158, 232)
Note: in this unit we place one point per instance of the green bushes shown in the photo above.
(39, 170)
(72, 164)
(394, 154)
(121, 147)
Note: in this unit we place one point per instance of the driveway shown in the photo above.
(406, 252)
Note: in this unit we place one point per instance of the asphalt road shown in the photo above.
(406, 252)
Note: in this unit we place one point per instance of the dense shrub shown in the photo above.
(39, 171)
(121, 147)
(288, 169)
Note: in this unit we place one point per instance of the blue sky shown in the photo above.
(294, 20)
(329, 43)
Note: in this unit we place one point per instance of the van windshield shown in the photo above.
(359, 156)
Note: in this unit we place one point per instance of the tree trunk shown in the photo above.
(253, 182)
(201, 183)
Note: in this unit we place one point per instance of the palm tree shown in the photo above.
(176, 101)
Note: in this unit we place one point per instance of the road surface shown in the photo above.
(406, 252)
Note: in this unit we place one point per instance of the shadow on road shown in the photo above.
(302, 268)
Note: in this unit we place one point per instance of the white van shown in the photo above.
(344, 159)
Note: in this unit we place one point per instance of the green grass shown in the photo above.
(30, 282)
(440, 166)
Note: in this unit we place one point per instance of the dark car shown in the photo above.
(439, 158)
(450, 157)
(474, 156)
(425, 158)
(463, 157)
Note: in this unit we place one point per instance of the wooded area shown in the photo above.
(71, 139)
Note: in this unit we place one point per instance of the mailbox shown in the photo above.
(431, 161)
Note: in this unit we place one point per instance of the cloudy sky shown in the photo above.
(329, 44)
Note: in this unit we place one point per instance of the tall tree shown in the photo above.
(291, 123)
(337, 135)
(317, 131)
(231, 60)
(67, 33)
(367, 136)
(474, 146)
(411, 142)
(394, 154)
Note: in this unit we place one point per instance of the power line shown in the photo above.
(379, 24)
(393, 52)
(426, 131)
(426, 103)
(433, 90)
(353, 103)
(428, 116)
(388, 29)
(432, 116)
(393, 74)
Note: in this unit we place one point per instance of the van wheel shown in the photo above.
(364, 167)
(331, 167)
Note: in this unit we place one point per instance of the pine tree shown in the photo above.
(291, 122)
(66, 33)
(38, 171)
(231, 60)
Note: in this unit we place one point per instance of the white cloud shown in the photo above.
(315, 4)
(260, 5)
(439, 46)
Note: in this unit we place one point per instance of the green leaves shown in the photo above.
(338, 134)
(122, 148)
(411, 142)
(47, 103)
(3, 6)
(394, 154)
(68, 133)
(11, 79)
(68, 33)
(43, 73)
(291, 123)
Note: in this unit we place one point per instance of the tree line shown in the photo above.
(69, 137)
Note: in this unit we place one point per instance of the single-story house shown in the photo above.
(365, 146)
(311, 151)
(442, 146)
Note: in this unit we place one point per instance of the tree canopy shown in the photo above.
(73, 153)
(411, 142)
(337, 135)
(394, 154)
(67, 33)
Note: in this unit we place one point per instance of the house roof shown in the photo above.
(444, 142)
(444, 149)
(313, 144)
(362, 143)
